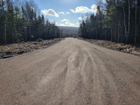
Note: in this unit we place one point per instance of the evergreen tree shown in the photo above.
(119, 21)
(22, 23)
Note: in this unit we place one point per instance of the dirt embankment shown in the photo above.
(10, 50)
(127, 48)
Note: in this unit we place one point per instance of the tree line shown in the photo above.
(115, 20)
(21, 21)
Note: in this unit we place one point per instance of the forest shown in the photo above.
(115, 20)
(20, 21)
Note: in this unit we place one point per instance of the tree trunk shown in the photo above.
(12, 33)
(13, 24)
(118, 31)
(126, 33)
(111, 32)
(135, 39)
(5, 28)
(129, 14)
(25, 32)
(105, 35)
(115, 32)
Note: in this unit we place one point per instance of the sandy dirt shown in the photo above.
(72, 72)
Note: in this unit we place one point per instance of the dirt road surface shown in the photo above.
(72, 72)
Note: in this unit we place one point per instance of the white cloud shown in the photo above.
(61, 25)
(67, 13)
(102, 1)
(81, 9)
(50, 12)
(94, 6)
(64, 20)
(56, 23)
(62, 13)
(72, 10)
(67, 22)
(78, 23)
(83, 18)
(84, 9)
(80, 18)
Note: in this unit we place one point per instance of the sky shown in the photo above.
(66, 12)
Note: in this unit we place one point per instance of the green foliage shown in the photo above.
(22, 23)
(27, 45)
(39, 40)
(111, 23)
(32, 36)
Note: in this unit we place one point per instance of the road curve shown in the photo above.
(72, 72)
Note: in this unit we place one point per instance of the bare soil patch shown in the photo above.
(127, 48)
(11, 50)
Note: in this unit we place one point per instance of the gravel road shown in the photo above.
(72, 72)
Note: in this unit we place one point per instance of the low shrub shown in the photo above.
(39, 40)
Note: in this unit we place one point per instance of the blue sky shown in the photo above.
(66, 12)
